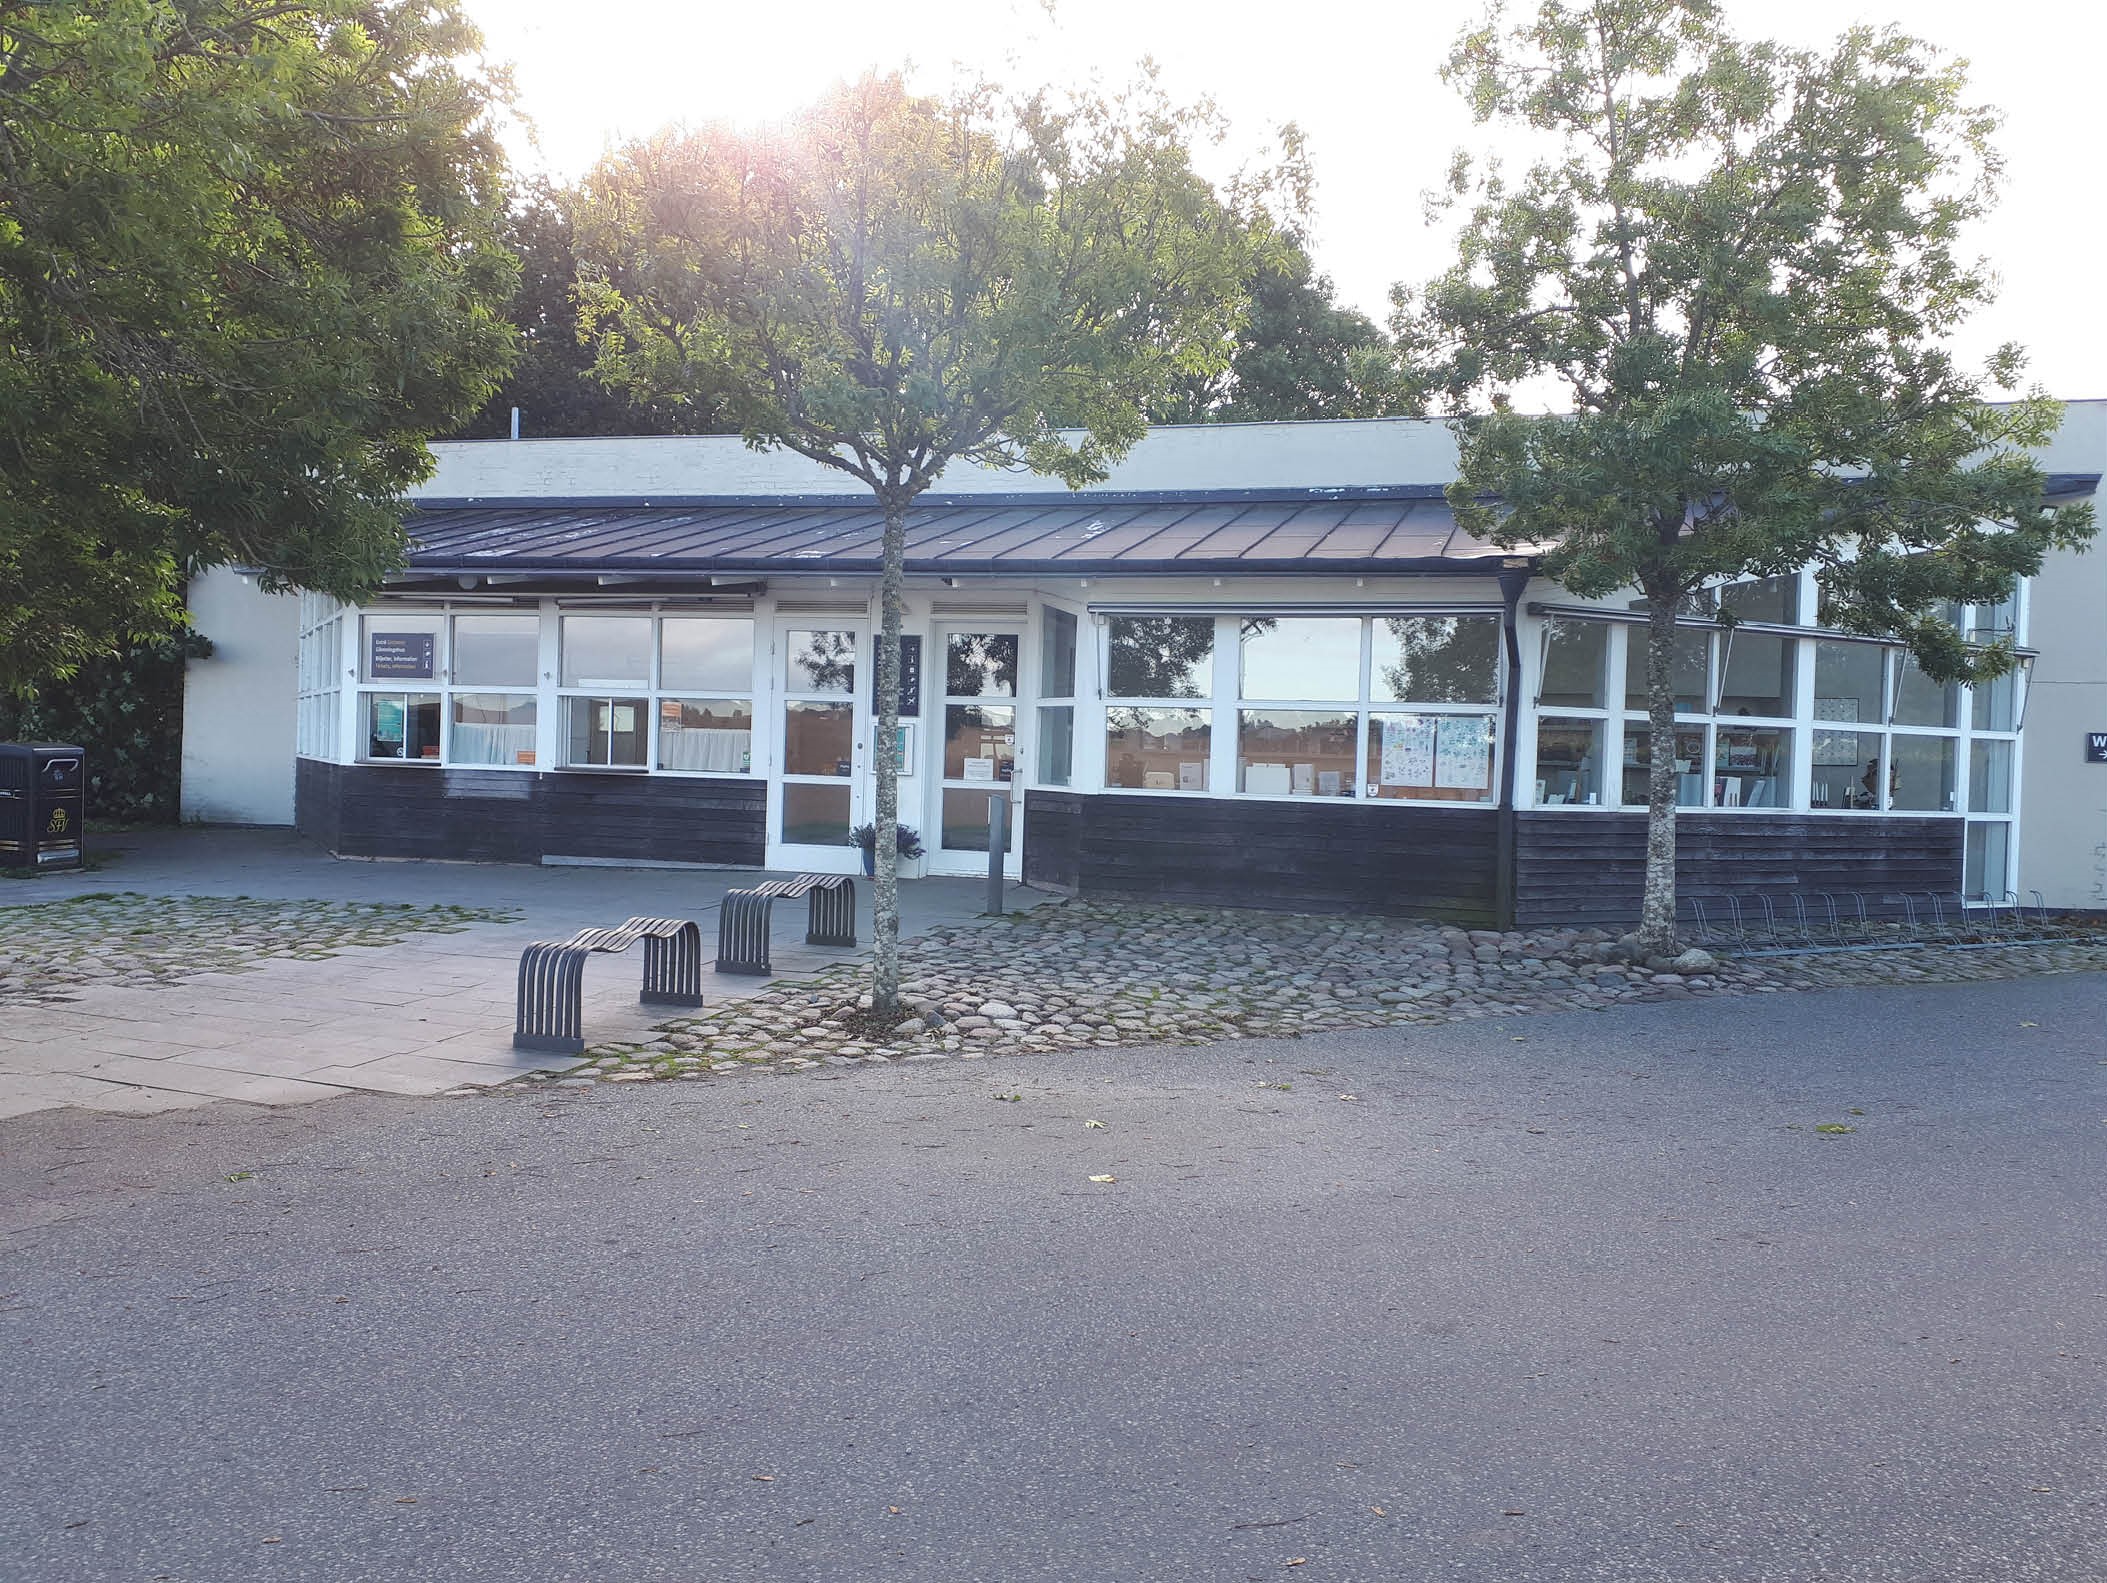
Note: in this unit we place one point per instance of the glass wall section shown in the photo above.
(1751, 766)
(400, 726)
(1296, 752)
(607, 651)
(1575, 663)
(602, 730)
(1847, 770)
(1994, 705)
(1569, 763)
(1689, 766)
(1690, 676)
(1987, 863)
(1920, 701)
(501, 653)
(1160, 657)
(1157, 749)
(1921, 774)
(321, 676)
(1056, 755)
(1164, 658)
(1990, 775)
(1756, 675)
(606, 733)
(1431, 757)
(1436, 659)
(704, 710)
(1772, 599)
(1299, 752)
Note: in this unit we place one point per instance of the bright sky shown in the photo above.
(1359, 76)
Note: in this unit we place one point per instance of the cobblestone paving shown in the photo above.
(1080, 974)
(50, 950)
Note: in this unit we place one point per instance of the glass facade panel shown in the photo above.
(1996, 703)
(1846, 769)
(1057, 745)
(1575, 653)
(1688, 673)
(1161, 657)
(492, 728)
(1689, 766)
(1297, 658)
(821, 662)
(1435, 660)
(400, 648)
(1920, 701)
(1921, 774)
(1986, 865)
(965, 821)
(706, 735)
(401, 725)
(1847, 684)
(1990, 777)
(1751, 766)
(815, 815)
(1772, 599)
(712, 654)
(1057, 655)
(1157, 749)
(1758, 678)
(1296, 752)
(980, 742)
(819, 738)
(607, 733)
(496, 651)
(1568, 763)
(980, 665)
(1430, 758)
(607, 651)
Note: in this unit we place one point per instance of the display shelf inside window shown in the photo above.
(1689, 753)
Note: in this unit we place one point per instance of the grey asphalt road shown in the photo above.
(1570, 1297)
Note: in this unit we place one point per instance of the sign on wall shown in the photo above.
(2096, 747)
(910, 676)
(412, 656)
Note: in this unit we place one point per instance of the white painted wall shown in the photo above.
(240, 705)
(2063, 829)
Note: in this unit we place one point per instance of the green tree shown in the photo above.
(248, 262)
(895, 283)
(1298, 355)
(1742, 264)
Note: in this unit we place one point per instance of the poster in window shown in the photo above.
(1463, 756)
(979, 770)
(387, 721)
(1836, 748)
(1408, 750)
(411, 656)
(669, 714)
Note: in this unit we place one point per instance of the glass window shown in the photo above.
(1846, 770)
(400, 648)
(1436, 660)
(1689, 766)
(815, 815)
(1920, 701)
(1161, 657)
(965, 821)
(1996, 703)
(1772, 599)
(1751, 766)
(1989, 777)
(1921, 773)
(496, 651)
(1301, 658)
(2000, 620)
(1430, 758)
(1758, 679)
(1688, 675)
(821, 662)
(402, 725)
(1574, 656)
(1296, 752)
(818, 739)
(1157, 749)
(1057, 745)
(607, 733)
(1986, 866)
(980, 742)
(1847, 684)
(706, 735)
(713, 654)
(606, 651)
(980, 665)
(1057, 655)
(1568, 763)
(492, 728)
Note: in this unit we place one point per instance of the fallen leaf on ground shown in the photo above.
(1351, 1098)
(1098, 1124)
(764, 1478)
(1833, 1127)
(1104, 1178)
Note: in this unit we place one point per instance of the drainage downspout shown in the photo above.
(1514, 578)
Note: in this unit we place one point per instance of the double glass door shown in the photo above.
(823, 732)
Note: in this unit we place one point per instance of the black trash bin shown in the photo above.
(43, 795)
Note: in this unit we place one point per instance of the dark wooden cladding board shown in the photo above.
(502, 816)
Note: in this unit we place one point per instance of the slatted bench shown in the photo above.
(552, 978)
(744, 918)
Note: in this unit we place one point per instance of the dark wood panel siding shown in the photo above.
(503, 816)
(1590, 868)
(1316, 857)
(1053, 827)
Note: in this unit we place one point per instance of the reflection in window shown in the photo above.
(1847, 683)
(1569, 762)
(980, 665)
(706, 735)
(1689, 767)
(496, 651)
(1296, 752)
(606, 651)
(402, 725)
(1687, 675)
(1298, 658)
(1758, 676)
(818, 738)
(821, 662)
(1161, 657)
(493, 728)
(1996, 706)
(1921, 774)
(1751, 766)
(1057, 655)
(1846, 770)
(964, 823)
(1157, 749)
(815, 815)
(1987, 862)
(1436, 659)
(1772, 599)
(607, 733)
(980, 742)
(1920, 701)
(1429, 758)
(1574, 656)
(1989, 777)
(1057, 745)
(711, 654)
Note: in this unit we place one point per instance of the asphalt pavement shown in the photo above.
(1574, 1297)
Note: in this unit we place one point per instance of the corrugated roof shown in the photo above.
(1406, 528)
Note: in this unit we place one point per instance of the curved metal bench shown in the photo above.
(552, 978)
(744, 917)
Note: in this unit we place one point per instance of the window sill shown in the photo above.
(599, 769)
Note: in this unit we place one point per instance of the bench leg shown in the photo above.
(831, 918)
(673, 968)
(742, 934)
(550, 1014)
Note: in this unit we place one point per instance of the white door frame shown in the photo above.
(931, 752)
(843, 858)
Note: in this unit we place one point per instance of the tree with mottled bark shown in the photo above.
(1741, 264)
(892, 283)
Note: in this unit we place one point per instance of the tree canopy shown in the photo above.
(1742, 263)
(248, 262)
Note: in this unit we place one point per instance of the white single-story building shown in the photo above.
(1259, 665)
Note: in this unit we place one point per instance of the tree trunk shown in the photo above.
(1657, 912)
(885, 884)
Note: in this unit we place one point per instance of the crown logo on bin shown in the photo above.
(57, 823)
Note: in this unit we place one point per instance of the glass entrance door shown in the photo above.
(977, 745)
(822, 730)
